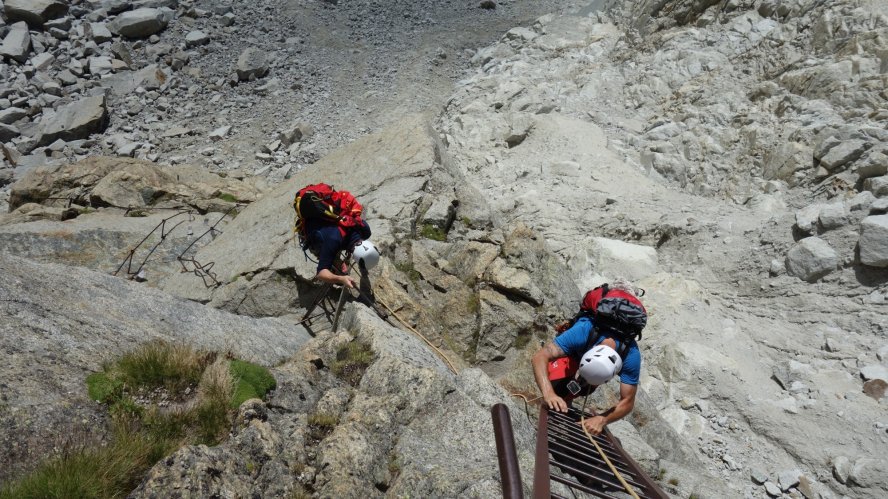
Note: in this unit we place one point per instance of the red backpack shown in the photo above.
(615, 311)
(322, 203)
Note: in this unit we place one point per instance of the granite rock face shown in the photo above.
(52, 349)
(408, 412)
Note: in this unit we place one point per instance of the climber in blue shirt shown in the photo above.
(595, 350)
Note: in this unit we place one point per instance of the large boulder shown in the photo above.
(811, 258)
(77, 120)
(34, 12)
(138, 23)
(129, 183)
(17, 43)
(59, 323)
(874, 241)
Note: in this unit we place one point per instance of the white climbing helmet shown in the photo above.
(600, 364)
(366, 252)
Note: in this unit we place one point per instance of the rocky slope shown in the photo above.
(695, 98)
(234, 86)
(727, 156)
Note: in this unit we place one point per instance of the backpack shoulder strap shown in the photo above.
(623, 349)
(590, 341)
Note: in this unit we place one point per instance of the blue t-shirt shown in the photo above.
(573, 343)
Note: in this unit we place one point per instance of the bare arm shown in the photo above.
(329, 277)
(624, 406)
(540, 362)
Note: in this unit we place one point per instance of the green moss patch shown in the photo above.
(432, 231)
(252, 381)
(225, 196)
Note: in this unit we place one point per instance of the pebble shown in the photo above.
(758, 476)
(773, 490)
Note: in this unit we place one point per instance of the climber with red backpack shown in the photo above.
(599, 343)
(329, 223)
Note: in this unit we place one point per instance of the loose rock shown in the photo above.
(810, 259)
(251, 64)
(34, 12)
(874, 241)
(139, 23)
(74, 121)
(17, 43)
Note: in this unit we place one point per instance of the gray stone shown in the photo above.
(877, 185)
(139, 23)
(17, 42)
(874, 165)
(219, 133)
(874, 371)
(123, 84)
(773, 490)
(227, 19)
(632, 442)
(832, 345)
(100, 65)
(8, 132)
(196, 38)
(825, 145)
(251, 64)
(67, 78)
(98, 32)
(42, 61)
(833, 216)
(841, 468)
(120, 50)
(806, 218)
(12, 114)
(844, 153)
(76, 120)
(295, 134)
(810, 259)
(861, 201)
(879, 207)
(758, 476)
(52, 88)
(873, 241)
(34, 12)
(870, 472)
(788, 479)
